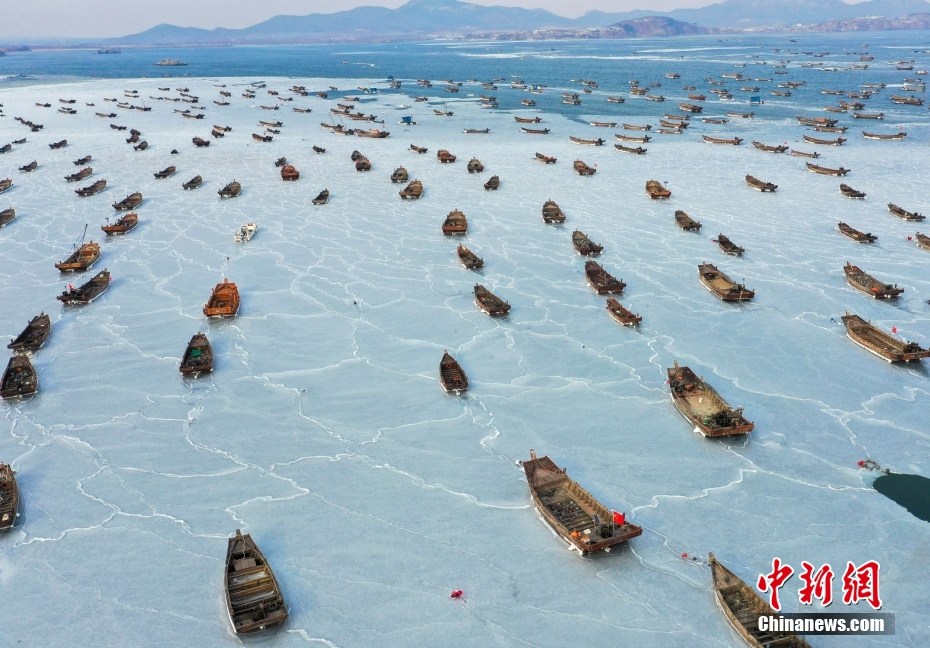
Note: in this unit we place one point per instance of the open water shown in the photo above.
(323, 431)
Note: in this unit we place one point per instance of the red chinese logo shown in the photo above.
(861, 584)
(817, 585)
(774, 580)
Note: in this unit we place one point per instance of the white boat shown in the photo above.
(246, 232)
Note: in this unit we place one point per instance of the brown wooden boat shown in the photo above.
(494, 182)
(289, 173)
(723, 140)
(400, 175)
(141, 146)
(900, 212)
(198, 356)
(582, 168)
(685, 221)
(742, 606)
(884, 345)
(721, 285)
(193, 183)
(92, 189)
(552, 213)
(261, 138)
(728, 246)
(88, 292)
(79, 175)
(822, 170)
(32, 166)
(469, 259)
(527, 120)
(131, 201)
(253, 598)
(489, 302)
(905, 100)
(864, 282)
(9, 497)
(715, 120)
(321, 198)
(58, 145)
(475, 166)
(412, 191)
(34, 336)
(444, 156)
(600, 280)
(760, 185)
(82, 257)
(690, 107)
(816, 121)
(572, 512)
(200, 142)
(656, 190)
(849, 192)
(451, 376)
(166, 173)
(703, 407)
(19, 379)
(622, 314)
(318, 149)
(455, 223)
(590, 142)
(640, 139)
(781, 148)
(121, 226)
(636, 150)
(603, 124)
(418, 149)
(900, 135)
(585, 246)
(923, 241)
(637, 127)
(224, 302)
(363, 164)
(82, 161)
(856, 235)
(5, 184)
(7, 216)
(804, 154)
(231, 190)
(546, 159)
(826, 142)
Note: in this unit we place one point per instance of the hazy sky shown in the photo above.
(23, 19)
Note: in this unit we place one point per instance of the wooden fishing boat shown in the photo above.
(723, 140)
(640, 139)
(321, 198)
(121, 226)
(804, 154)
(318, 149)
(6, 183)
(82, 161)
(745, 115)
(141, 146)
(721, 285)
(280, 162)
(19, 379)
(131, 201)
(200, 142)
(582, 169)
(493, 183)
(831, 129)
(245, 233)
(864, 282)
(193, 183)
(82, 257)
(9, 497)
(445, 156)
(781, 148)
(622, 314)
(603, 124)
(253, 598)
(545, 159)
(418, 149)
(690, 107)
(884, 345)
(585, 246)
(289, 173)
(7, 216)
(906, 100)
(198, 356)
(728, 246)
(231, 190)
(166, 173)
(88, 292)
(34, 336)
(816, 121)
(92, 189)
(856, 235)
(827, 142)
(822, 170)
(400, 175)
(363, 164)
(760, 185)
(535, 131)
(262, 138)
(600, 280)
(58, 145)
(374, 133)
(703, 407)
(412, 191)
(451, 376)
(742, 607)
(455, 223)
(923, 241)
(32, 166)
(527, 120)
(849, 192)
(552, 213)
(224, 301)
(715, 120)
(637, 127)
(469, 259)
(79, 175)
(863, 115)
(900, 135)
(685, 221)
(655, 190)
(591, 142)
(618, 100)
(572, 512)
(636, 150)
(489, 302)
(475, 166)
(900, 212)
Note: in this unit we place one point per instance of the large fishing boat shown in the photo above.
(703, 407)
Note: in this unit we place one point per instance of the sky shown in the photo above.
(51, 19)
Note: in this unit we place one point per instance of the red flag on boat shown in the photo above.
(894, 329)
(619, 518)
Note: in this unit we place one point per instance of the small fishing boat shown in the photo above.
(900, 212)
(451, 376)
(19, 379)
(493, 183)
(400, 174)
(760, 185)
(79, 175)
(83, 256)
(826, 142)
(636, 150)
(253, 598)
(600, 280)
(822, 170)
(552, 213)
(445, 156)
(622, 314)
(527, 120)
(742, 606)
(262, 138)
(703, 407)
(92, 189)
(856, 235)
(5, 184)
(884, 345)
(640, 139)
(34, 336)
(590, 142)
(655, 190)
(475, 166)
(193, 183)
(7, 216)
(88, 292)
(321, 198)
(572, 512)
(455, 223)
(121, 226)
(418, 149)
(582, 168)
(804, 154)
(9, 497)
(780, 148)
(82, 161)
(545, 159)
(412, 191)
(200, 142)
(637, 127)
(685, 221)
(245, 233)
(289, 173)
(131, 201)
(489, 302)
(728, 246)
(198, 356)
(165, 173)
(32, 166)
(923, 241)
(585, 246)
(735, 141)
(469, 259)
(864, 282)
(900, 135)
(849, 192)
(224, 301)
(721, 285)
(231, 190)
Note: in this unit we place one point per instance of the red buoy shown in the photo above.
(456, 594)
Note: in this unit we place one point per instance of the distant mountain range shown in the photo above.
(419, 18)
